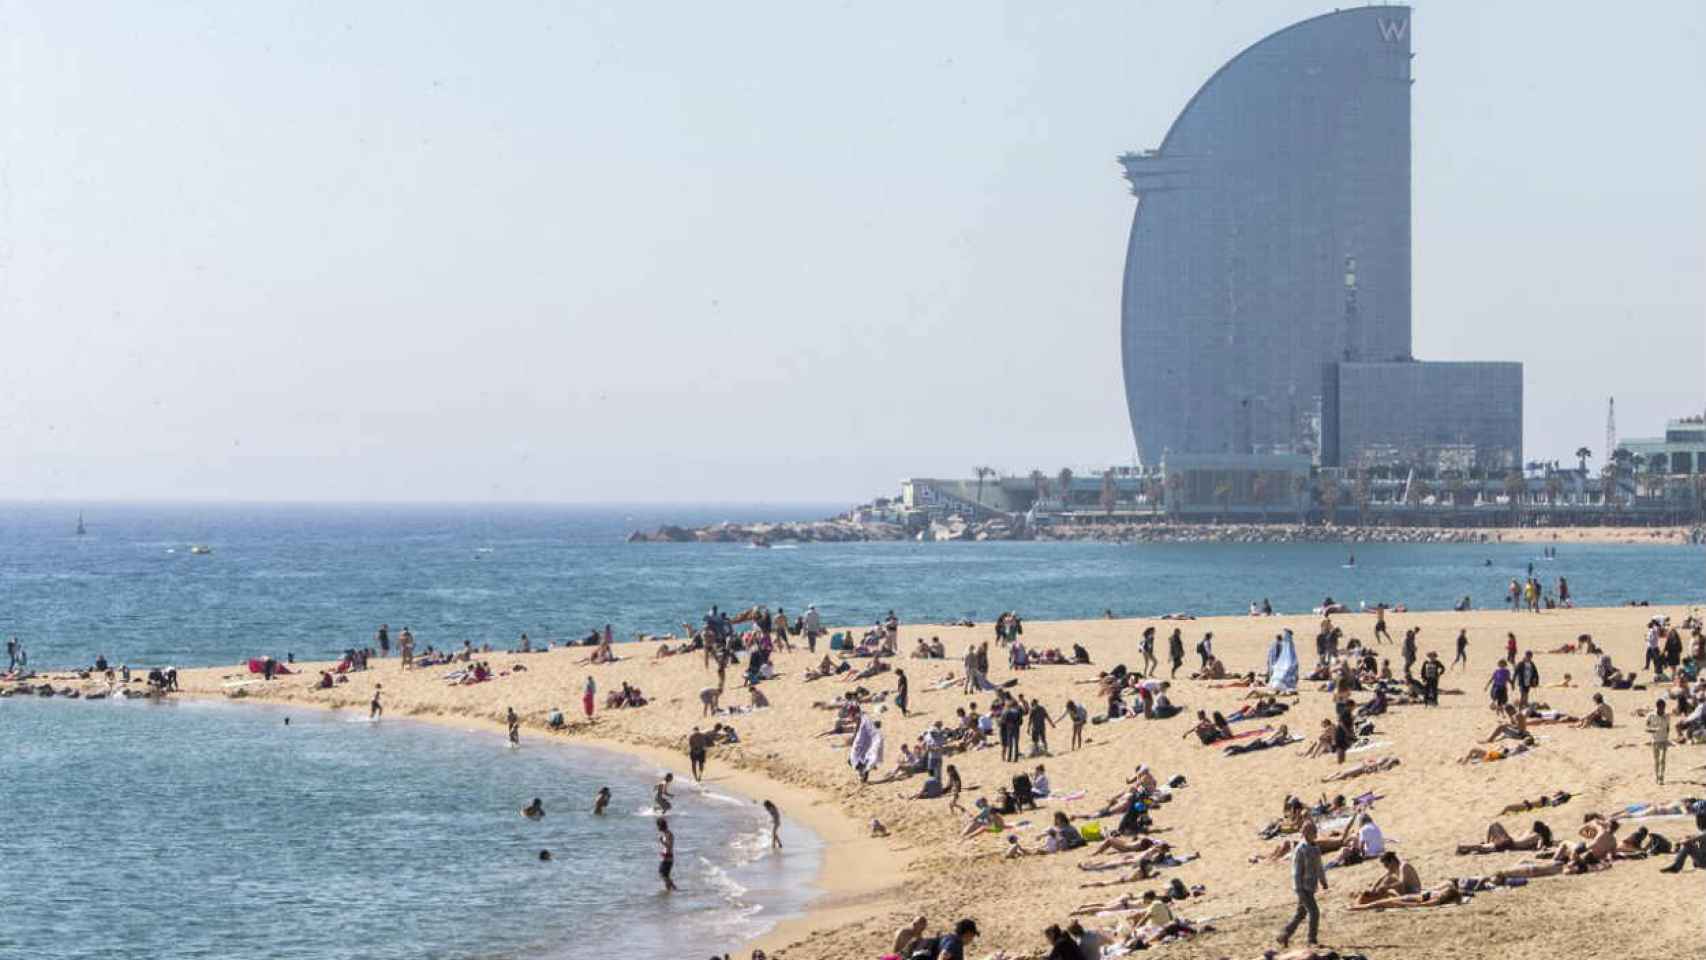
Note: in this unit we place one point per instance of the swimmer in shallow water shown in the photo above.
(374, 709)
(534, 810)
(602, 801)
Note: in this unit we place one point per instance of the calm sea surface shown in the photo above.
(209, 830)
(313, 581)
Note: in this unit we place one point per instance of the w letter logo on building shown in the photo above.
(1393, 31)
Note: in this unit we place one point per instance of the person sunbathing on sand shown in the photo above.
(1400, 879)
(1523, 806)
(1278, 738)
(1680, 808)
(1514, 726)
(1125, 901)
(1599, 716)
(1119, 844)
(985, 820)
(1445, 894)
(1365, 767)
(1499, 840)
(1491, 754)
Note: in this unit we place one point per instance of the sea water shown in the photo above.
(189, 829)
(313, 581)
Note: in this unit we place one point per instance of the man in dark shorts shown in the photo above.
(374, 710)
(1462, 649)
(696, 743)
(666, 855)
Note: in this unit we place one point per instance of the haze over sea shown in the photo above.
(211, 830)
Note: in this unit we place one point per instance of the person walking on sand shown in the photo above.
(1462, 659)
(1176, 651)
(1307, 873)
(900, 691)
(1381, 635)
(666, 855)
(1146, 647)
(374, 709)
(775, 824)
(1658, 724)
(696, 748)
(589, 695)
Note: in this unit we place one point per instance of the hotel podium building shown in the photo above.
(1266, 300)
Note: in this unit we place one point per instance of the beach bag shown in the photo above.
(1091, 831)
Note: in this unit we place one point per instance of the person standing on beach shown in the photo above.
(1462, 650)
(514, 727)
(589, 695)
(1040, 721)
(1176, 651)
(775, 824)
(1498, 686)
(812, 624)
(1380, 633)
(1432, 670)
(1307, 873)
(1510, 648)
(1409, 650)
(1146, 647)
(900, 691)
(1527, 677)
(384, 640)
(374, 709)
(1658, 724)
(666, 855)
(696, 743)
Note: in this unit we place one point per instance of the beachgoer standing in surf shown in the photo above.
(775, 824)
(666, 854)
(374, 710)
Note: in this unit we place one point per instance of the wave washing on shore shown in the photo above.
(202, 829)
(315, 580)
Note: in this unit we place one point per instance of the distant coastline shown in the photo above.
(856, 527)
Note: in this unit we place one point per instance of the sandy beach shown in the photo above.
(1428, 804)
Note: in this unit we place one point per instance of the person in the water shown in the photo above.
(601, 801)
(775, 824)
(534, 810)
(661, 795)
(374, 709)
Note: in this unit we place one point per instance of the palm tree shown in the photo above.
(1064, 477)
(1582, 455)
(1223, 494)
(1110, 493)
(1175, 483)
(1259, 493)
(1608, 491)
(1362, 492)
(1039, 484)
(983, 473)
(1152, 488)
(1299, 492)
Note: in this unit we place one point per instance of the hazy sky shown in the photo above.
(643, 251)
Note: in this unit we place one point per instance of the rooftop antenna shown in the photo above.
(1610, 428)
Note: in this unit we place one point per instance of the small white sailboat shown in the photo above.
(200, 549)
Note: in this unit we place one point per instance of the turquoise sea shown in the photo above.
(141, 830)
